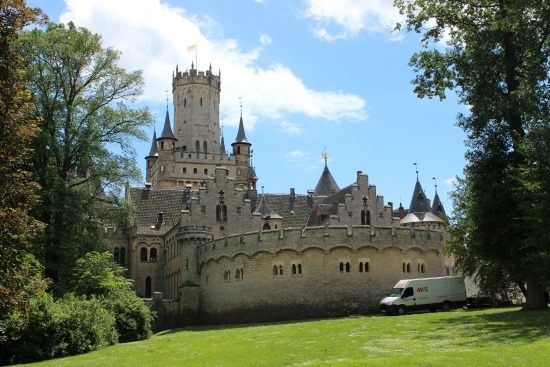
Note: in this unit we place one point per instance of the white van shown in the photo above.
(425, 294)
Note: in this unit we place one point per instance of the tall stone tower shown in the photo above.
(188, 156)
(197, 111)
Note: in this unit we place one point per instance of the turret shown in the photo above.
(166, 149)
(241, 152)
(152, 156)
(420, 212)
(327, 184)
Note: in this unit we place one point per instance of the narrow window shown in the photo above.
(408, 267)
(341, 267)
(299, 268)
(224, 213)
(195, 171)
(218, 213)
(422, 269)
(348, 267)
(367, 267)
(280, 270)
(143, 254)
(153, 255)
(206, 171)
(275, 270)
(201, 101)
(360, 267)
(197, 148)
(116, 255)
(148, 287)
(368, 217)
(205, 148)
(404, 268)
(185, 102)
(363, 217)
(184, 169)
(293, 268)
(122, 256)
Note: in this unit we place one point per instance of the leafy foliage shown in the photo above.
(495, 57)
(69, 326)
(84, 153)
(19, 277)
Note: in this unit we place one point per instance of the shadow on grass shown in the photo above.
(498, 327)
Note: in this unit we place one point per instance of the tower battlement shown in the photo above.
(194, 76)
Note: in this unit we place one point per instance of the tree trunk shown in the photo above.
(535, 297)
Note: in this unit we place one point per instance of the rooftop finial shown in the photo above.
(222, 128)
(325, 156)
(241, 103)
(166, 99)
(435, 184)
(416, 168)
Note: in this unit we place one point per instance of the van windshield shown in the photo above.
(396, 292)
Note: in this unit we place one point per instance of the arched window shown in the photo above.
(224, 213)
(143, 254)
(275, 270)
(341, 267)
(299, 268)
(280, 270)
(116, 255)
(237, 274)
(266, 227)
(153, 255)
(408, 267)
(367, 267)
(422, 269)
(205, 148)
(218, 213)
(363, 218)
(197, 148)
(242, 273)
(368, 217)
(122, 256)
(293, 268)
(148, 287)
(348, 267)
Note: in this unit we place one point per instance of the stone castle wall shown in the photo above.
(241, 279)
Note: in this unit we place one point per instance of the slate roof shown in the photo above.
(222, 147)
(265, 210)
(437, 207)
(329, 203)
(149, 203)
(419, 202)
(327, 184)
(167, 130)
(241, 136)
(154, 146)
(294, 209)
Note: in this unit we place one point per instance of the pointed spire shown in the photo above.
(327, 184)
(167, 130)
(154, 145)
(437, 207)
(241, 136)
(420, 212)
(222, 144)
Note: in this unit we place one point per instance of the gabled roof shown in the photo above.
(154, 146)
(241, 136)
(327, 184)
(167, 130)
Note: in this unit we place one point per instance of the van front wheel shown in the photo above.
(446, 306)
(401, 310)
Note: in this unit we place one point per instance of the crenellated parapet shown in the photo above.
(324, 238)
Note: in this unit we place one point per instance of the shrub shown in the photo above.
(72, 325)
(133, 317)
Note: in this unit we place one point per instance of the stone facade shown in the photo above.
(205, 247)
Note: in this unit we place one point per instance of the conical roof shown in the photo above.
(437, 207)
(251, 173)
(241, 136)
(327, 184)
(222, 147)
(167, 130)
(419, 210)
(154, 146)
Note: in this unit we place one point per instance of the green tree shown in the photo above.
(96, 275)
(84, 153)
(495, 58)
(19, 276)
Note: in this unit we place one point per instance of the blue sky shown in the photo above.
(312, 74)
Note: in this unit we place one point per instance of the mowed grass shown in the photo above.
(493, 337)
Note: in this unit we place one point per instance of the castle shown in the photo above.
(204, 246)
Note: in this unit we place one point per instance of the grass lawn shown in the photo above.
(493, 337)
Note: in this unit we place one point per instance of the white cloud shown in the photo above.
(153, 36)
(290, 128)
(265, 39)
(347, 18)
(296, 154)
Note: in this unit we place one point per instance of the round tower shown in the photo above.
(196, 96)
